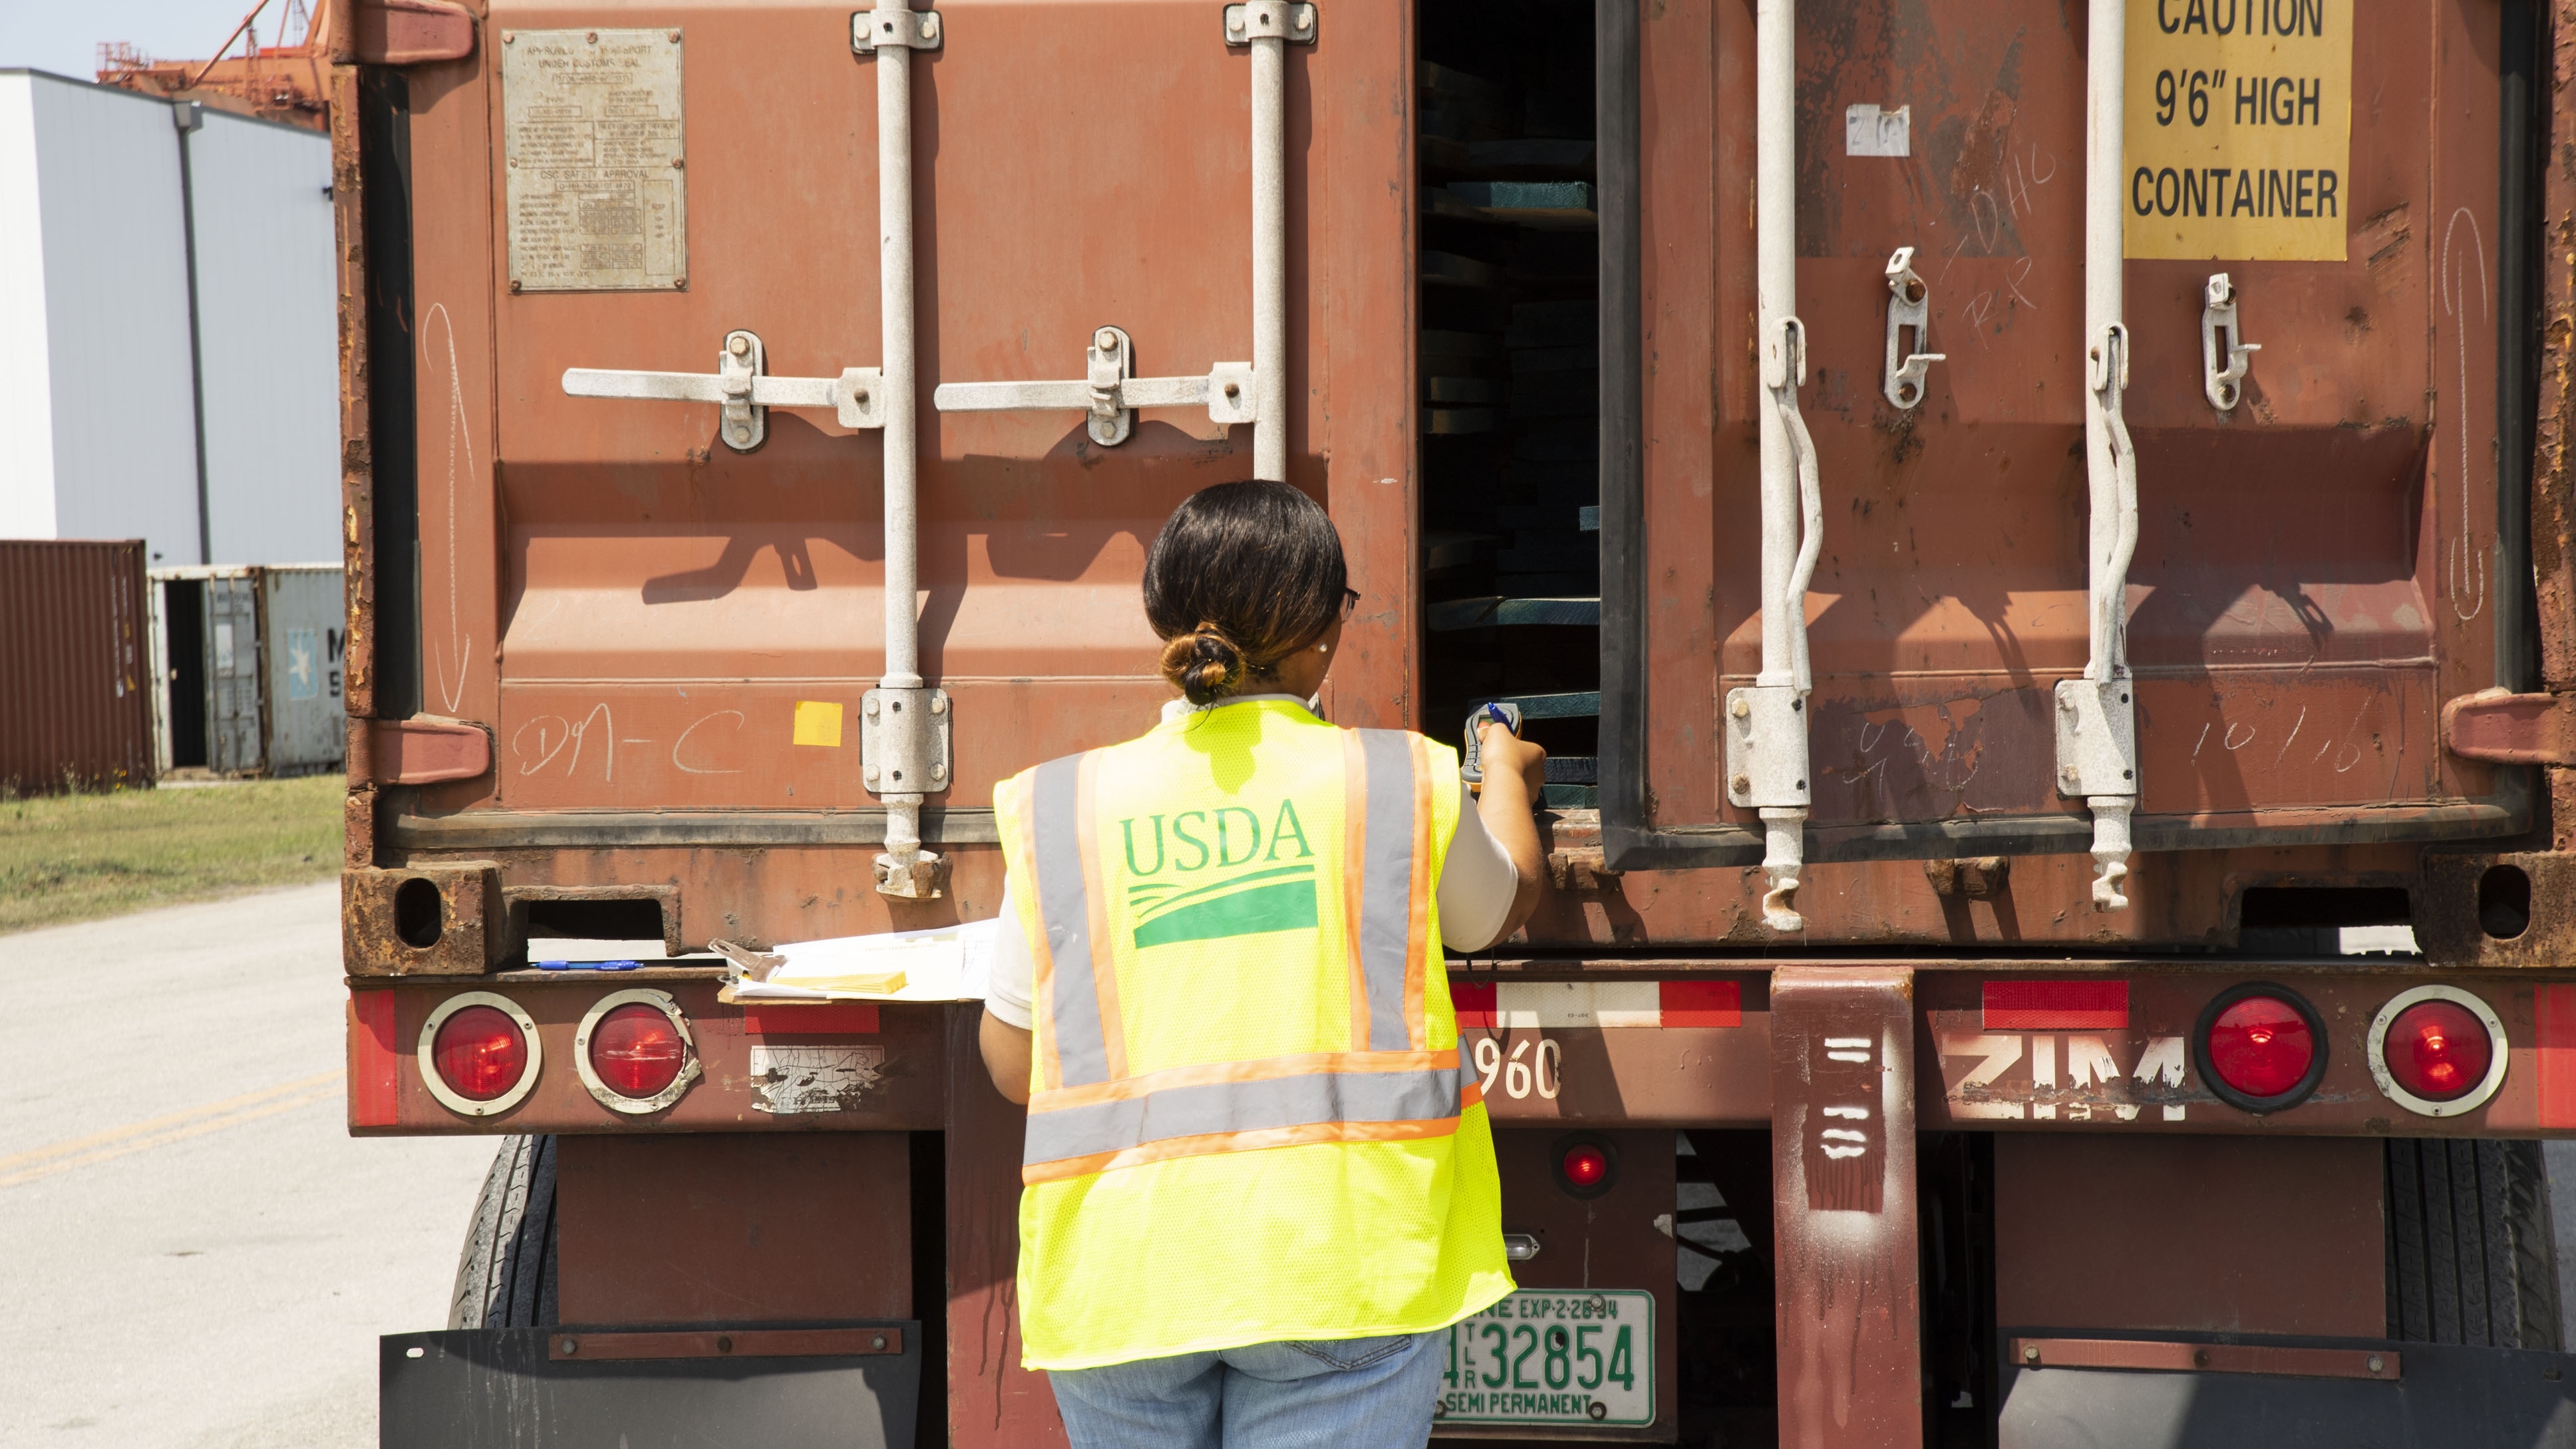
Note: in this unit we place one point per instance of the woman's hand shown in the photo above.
(1515, 780)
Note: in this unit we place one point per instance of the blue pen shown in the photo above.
(585, 965)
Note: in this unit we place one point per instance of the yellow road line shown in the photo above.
(118, 1141)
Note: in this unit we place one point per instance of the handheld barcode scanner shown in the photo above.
(1471, 765)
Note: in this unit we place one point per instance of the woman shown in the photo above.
(1260, 1183)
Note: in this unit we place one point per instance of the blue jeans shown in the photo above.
(1349, 1393)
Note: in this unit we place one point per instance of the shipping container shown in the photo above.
(249, 665)
(74, 654)
(2034, 535)
(135, 236)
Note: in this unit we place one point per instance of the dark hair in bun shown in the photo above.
(1242, 576)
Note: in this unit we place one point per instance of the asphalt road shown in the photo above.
(194, 1253)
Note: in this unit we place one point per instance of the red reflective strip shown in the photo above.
(2057, 1005)
(375, 1066)
(1701, 1003)
(1475, 1004)
(829, 1018)
(2554, 1017)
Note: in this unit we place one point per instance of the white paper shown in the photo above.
(944, 963)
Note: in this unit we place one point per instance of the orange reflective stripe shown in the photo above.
(1216, 1142)
(1266, 1069)
(1021, 854)
(1104, 954)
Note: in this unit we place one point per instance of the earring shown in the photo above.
(1323, 648)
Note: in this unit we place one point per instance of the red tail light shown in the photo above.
(637, 1051)
(480, 1053)
(2437, 1051)
(2260, 1047)
(634, 1051)
(1585, 1165)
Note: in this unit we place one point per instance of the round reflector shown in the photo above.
(637, 1050)
(634, 1051)
(2261, 1047)
(2437, 1051)
(1586, 1164)
(481, 1053)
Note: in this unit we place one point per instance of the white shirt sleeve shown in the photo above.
(1014, 971)
(1477, 882)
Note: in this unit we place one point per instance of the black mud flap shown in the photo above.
(513, 1388)
(2448, 1397)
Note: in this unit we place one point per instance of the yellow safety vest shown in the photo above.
(1248, 1120)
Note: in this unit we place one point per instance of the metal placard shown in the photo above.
(593, 141)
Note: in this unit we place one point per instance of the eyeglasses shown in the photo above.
(1350, 601)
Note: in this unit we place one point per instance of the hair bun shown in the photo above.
(1203, 664)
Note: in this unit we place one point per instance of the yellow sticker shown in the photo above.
(818, 722)
(2239, 134)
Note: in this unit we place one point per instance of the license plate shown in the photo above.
(1567, 1358)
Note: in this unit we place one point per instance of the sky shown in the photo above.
(62, 36)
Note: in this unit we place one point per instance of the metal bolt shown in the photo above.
(2374, 1363)
(1741, 784)
(594, 37)
(880, 1341)
(679, 163)
(738, 345)
(2030, 1354)
(508, 36)
(872, 707)
(2200, 1358)
(724, 1343)
(2067, 773)
(741, 432)
(571, 1346)
(1742, 708)
(2066, 703)
(1234, 389)
(675, 37)
(939, 704)
(514, 284)
(872, 774)
(679, 284)
(1106, 341)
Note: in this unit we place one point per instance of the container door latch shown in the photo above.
(742, 386)
(2223, 385)
(1908, 305)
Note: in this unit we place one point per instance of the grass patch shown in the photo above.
(77, 857)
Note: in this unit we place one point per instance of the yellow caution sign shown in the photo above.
(2239, 136)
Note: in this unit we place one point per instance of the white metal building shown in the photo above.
(127, 226)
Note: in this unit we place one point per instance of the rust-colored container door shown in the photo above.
(672, 636)
(2318, 567)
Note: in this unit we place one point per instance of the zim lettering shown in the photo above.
(2205, 191)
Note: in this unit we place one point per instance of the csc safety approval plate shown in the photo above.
(1564, 1357)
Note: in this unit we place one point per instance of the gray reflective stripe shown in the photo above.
(1099, 1127)
(1386, 885)
(1064, 907)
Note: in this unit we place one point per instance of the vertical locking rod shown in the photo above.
(1792, 515)
(2097, 716)
(1270, 256)
(904, 869)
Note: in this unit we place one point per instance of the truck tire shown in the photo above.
(2471, 1255)
(505, 1278)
